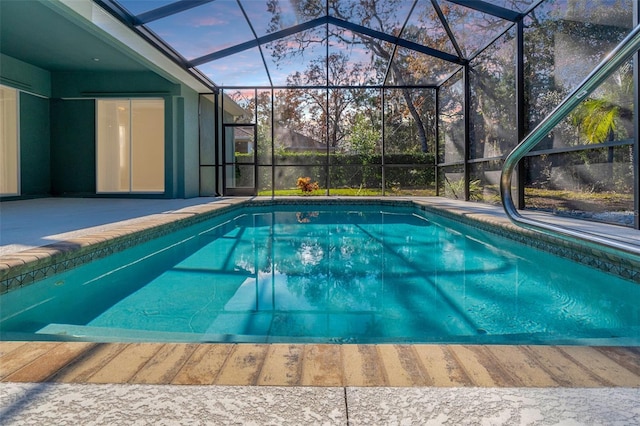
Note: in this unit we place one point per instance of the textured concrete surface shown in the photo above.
(26, 224)
(493, 406)
(87, 404)
(64, 404)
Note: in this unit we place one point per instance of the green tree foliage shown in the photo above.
(333, 111)
(608, 114)
(378, 15)
(364, 139)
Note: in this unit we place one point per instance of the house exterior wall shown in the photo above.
(35, 149)
(57, 128)
(73, 152)
(190, 186)
(24, 76)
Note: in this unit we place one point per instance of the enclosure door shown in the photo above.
(240, 174)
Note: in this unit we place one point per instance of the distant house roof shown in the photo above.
(295, 141)
(243, 133)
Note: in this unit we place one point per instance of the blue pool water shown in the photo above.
(328, 274)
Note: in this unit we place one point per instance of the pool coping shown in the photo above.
(321, 365)
(622, 266)
(28, 266)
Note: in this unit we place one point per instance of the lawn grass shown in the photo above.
(350, 192)
(322, 192)
(586, 201)
(605, 196)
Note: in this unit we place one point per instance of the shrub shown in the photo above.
(305, 184)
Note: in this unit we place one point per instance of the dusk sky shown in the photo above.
(221, 24)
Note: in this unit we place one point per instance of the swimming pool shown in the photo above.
(328, 273)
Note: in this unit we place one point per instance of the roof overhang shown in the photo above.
(93, 18)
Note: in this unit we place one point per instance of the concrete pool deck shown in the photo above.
(143, 383)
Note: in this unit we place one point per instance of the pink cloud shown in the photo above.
(208, 21)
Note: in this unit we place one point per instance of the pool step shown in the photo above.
(321, 365)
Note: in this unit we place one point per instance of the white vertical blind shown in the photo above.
(113, 146)
(147, 148)
(9, 147)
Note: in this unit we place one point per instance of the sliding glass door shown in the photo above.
(130, 146)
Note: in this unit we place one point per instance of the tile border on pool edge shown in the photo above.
(23, 268)
(502, 227)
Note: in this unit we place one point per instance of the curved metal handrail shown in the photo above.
(609, 64)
